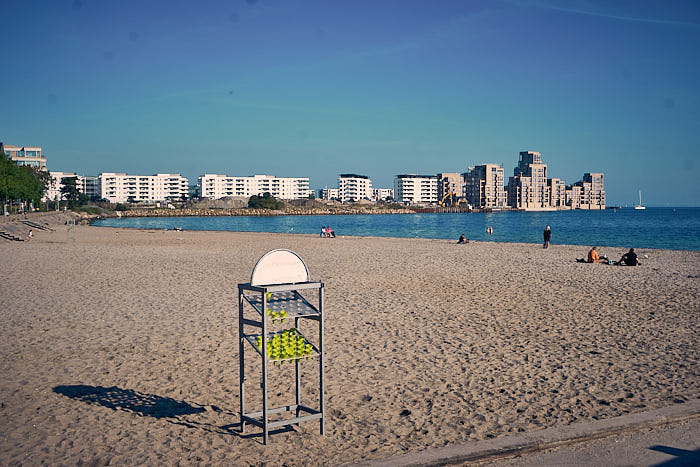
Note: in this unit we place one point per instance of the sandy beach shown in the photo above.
(121, 347)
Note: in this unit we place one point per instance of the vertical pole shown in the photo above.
(263, 318)
(320, 358)
(296, 369)
(241, 359)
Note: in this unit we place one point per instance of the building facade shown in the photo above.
(450, 183)
(216, 186)
(382, 194)
(353, 187)
(483, 186)
(30, 156)
(121, 188)
(557, 192)
(527, 188)
(87, 185)
(588, 193)
(416, 189)
(329, 194)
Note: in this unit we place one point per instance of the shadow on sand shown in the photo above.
(151, 405)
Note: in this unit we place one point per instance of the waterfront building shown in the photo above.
(329, 194)
(87, 185)
(450, 183)
(527, 188)
(588, 193)
(483, 186)
(120, 187)
(353, 187)
(216, 186)
(382, 194)
(416, 189)
(557, 192)
(30, 156)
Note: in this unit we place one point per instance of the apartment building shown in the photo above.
(30, 156)
(216, 186)
(353, 187)
(483, 186)
(120, 187)
(450, 183)
(528, 188)
(329, 194)
(557, 192)
(588, 193)
(88, 185)
(382, 194)
(416, 189)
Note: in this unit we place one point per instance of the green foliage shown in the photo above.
(266, 201)
(19, 182)
(70, 192)
(121, 207)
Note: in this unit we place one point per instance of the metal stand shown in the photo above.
(270, 301)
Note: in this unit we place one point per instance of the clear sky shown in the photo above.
(317, 88)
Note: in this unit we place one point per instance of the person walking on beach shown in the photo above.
(547, 236)
(30, 235)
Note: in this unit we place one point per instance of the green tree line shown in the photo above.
(21, 183)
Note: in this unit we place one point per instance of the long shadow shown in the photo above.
(151, 405)
(683, 456)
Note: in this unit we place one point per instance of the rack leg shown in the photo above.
(320, 361)
(296, 372)
(241, 359)
(264, 369)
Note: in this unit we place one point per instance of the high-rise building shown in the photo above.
(416, 189)
(30, 156)
(528, 189)
(353, 187)
(450, 183)
(483, 186)
(216, 186)
(120, 187)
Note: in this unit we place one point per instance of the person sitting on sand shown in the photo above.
(594, 258)
(323, 231)
(629, 259)
(330, 233)
(462, 239)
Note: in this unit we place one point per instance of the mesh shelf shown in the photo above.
(253, 340)
(291, 301)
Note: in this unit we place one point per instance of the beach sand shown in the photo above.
(121, 347)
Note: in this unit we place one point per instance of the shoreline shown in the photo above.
(445, 240)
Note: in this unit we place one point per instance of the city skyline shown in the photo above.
(316, 89)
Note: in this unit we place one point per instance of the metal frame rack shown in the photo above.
(269, 299)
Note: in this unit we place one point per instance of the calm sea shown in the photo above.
(668, 228)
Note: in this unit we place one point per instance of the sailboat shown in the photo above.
(640, 206)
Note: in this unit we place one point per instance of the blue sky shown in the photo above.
(318, 88)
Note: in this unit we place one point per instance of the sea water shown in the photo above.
(667, 228)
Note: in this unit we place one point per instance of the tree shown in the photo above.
(19, 183)
(266, 201)
(69, 190)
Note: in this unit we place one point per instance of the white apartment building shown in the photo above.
(329, 194)
(25, 155)
(216, 186)
(416, 189)
(382, 194)
(353, 187)
(87, 185)
(121, 188)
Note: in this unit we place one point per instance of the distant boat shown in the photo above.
(640, 206)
